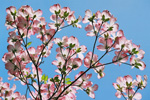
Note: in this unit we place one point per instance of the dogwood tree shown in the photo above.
(70, 56)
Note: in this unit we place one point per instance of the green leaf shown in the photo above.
(122, 46)
(63, 72)
(57, 12)
(133, 50)
(56, 79)
(74, 66)
(138, 64)
(78, 50)
(106, 20)
(136, 52)
(29, 43)
(118, 85)
(90, 19)
(75, 25)
(66, 14)
(106, 36)
(52, 80)
(43, 53)
(43, 77)
(76, 21)
(34, 16)
(46, 78)
(14, 14)
(87, 90)
(57, 25)
(103, 18)
(59, 69)
(67, 79)
(68, 82)
(100, 74)
(141, 82)
(29, 76)
(130, 84)
(33, 80)
(60, 44)
(136, 67)
(110, 29)
(71, 45)
(127, 84)
(14, 40)
(64, 68)
(27, 17)
(93, 16)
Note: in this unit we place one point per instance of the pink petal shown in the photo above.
(89, 27)
(54, 8)
(139, 78)
(90, 34)
(83, 48)
(38, 13)
(53, 17)
(118, 94)
(98, 15)
(128, 78)
(32, 50)
(120, 33)
(101, 47)
(95, 87)
(120, 80)
(137, 96)
(85, 19)
(92, 95)
(88, 13)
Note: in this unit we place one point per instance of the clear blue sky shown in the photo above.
(133, 17)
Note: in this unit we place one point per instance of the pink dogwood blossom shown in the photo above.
(125, 87)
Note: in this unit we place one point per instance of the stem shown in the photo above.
(39, 92)
(94, 43)
(29, 57)
(49, 41)
(40, 57)
(104, 54)
(71, 84)
(63, 76)
(111, 62)
(123, 96)
(128, 94)
(26, 92)
(66, 26)
(28, 30)
(135, 91)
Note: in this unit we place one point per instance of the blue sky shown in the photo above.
(133, 17)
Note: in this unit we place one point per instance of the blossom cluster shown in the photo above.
(8, 93)
(125, 87)
(60, 14)
(86, 85)
(103, 25)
